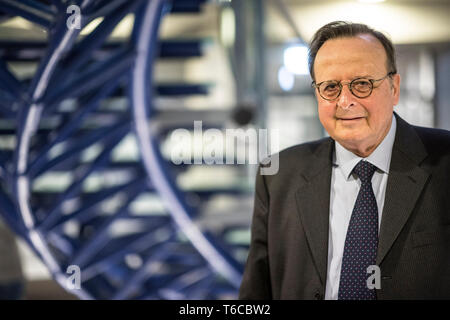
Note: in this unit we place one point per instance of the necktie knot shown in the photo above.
(364, 170)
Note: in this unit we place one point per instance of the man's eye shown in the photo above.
(330, 87)
(361, 85)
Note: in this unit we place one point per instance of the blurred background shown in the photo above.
(87, 113)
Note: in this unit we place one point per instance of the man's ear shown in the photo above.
(395, 85)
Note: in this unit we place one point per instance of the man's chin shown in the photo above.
(351, 138)
(355, 144)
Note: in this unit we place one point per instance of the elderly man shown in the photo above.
(365, 213)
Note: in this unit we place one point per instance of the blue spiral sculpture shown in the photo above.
(121, 254)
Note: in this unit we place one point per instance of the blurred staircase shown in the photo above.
(85, 181)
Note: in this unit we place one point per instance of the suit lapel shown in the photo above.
(313, 204)
(405, 184)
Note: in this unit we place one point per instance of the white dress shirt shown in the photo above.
(343, 194)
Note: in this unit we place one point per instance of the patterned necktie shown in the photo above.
(361, 242)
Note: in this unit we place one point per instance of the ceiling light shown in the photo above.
(227, 26)
(286, 80)
(296, 59)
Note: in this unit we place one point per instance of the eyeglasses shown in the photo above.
(359, 87)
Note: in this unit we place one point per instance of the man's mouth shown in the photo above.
(351, 118)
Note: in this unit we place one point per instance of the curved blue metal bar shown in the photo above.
(29, 113)
(146, 40)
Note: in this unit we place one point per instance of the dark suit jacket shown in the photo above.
(289, 242)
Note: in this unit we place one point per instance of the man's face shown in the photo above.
(358, 124)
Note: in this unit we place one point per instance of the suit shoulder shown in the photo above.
(304, 149)
(299, 156)
(436, 141)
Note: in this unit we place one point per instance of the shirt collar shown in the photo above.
(380, 157)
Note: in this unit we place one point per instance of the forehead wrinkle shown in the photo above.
(356, 55)
(333, 71)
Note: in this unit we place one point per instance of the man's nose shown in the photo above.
(346, 98)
